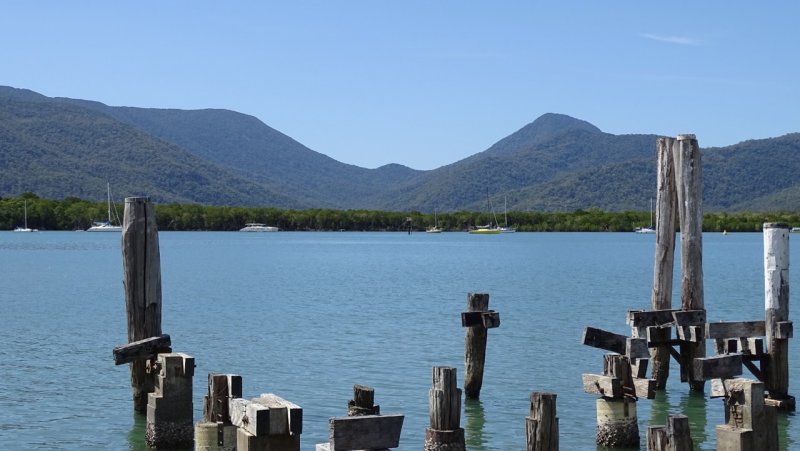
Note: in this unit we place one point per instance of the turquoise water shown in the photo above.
(307, 315)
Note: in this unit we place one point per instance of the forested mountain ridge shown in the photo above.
(58, 147)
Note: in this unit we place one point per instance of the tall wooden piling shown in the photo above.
(541, 427)
(478, 319)
(661, 299)
(141, 263)
(776, 309)
(688, 183)
(444, 404)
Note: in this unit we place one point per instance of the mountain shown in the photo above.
(59, 147)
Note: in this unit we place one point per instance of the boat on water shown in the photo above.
(795, 230)
(106, 226)
(435, 228)
(258, 227)
(489, 229)
(506, 228)
(649, 229)
(25, 228)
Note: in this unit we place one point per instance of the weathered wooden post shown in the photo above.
(661, 299)
(617, 422)
(216, 432)
(363, 402)
(749, 423)
(141, 263)
(444, 404)
(674, 436)
(169, 407)
(776, 309)
(688, 182)
(541, 427)
(477, 319)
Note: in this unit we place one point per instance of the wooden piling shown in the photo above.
(666, 205)
(475, 341)
(541, 427)
(141, 264)
(444, 404)
(363, 402)
(169, 408)
(776, 309)
(674, 436)
(617, 421)
(688, 183)
(750, 423)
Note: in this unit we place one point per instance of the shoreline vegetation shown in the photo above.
(77, 214)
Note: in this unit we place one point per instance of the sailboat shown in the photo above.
(506, 228)
(105, 226)
(25, 229)
(435, 228)
(647, 229)
(488, 229)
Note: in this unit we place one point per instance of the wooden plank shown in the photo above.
(639, 368)
(295, 412)
(471, 319)
(607, 386)
(491, 319)
(689, 317)
(784, 330)
(636, 348)
(645, 388)
(649, 318)
(365, 432)
(602, 339)
(658, 336)
(721, 366)
(735, 329)
(143, 349)
(693, 334)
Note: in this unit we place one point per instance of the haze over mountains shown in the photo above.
(59, 147)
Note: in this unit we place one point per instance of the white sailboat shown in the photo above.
(647, 229)
(506, 228)
(435, 228)
(105, 226)
(488, 229)
(25, 229)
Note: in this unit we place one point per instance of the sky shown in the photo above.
(422, 83)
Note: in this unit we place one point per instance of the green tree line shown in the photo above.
(77, 214)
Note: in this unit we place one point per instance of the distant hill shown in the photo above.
(58, 147)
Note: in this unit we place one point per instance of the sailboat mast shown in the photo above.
(108, 190)
(26, 213)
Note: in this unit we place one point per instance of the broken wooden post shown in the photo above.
(750, 423)
(541, 427)
(477, 319)
(141, 264)
(169, 407)
(146, 349)
(216, 432)
(688, 183)
(444, 404)
(661, 298)
(266, 423)
(776, 309)
(363, 402)
(617, 422)
(675, 436)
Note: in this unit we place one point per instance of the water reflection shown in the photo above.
(473, 428)
(691, 404)
(136, 435)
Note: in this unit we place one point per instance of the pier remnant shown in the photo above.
(688, 183)
(169, 407)
(444, 406)
(661, 297)
(478, 319)
(141, 265)
(674, 436)
(750, 424)
(541, 427)
(363, 402)
(776, 309)
(216, 432)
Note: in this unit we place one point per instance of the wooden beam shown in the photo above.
(602, 339)
(142, 350)
(607, 386)
(721, 366)
(689, 317)
(693, 334)
(657, 336)
(365, 432)
(645, 388)
(294, 413)
(636, 348)
(735, 329)
(649, 318)
(753, 369)
(784, 330)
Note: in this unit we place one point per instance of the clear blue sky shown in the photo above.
(422, 83)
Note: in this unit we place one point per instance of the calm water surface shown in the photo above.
(307, 315)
